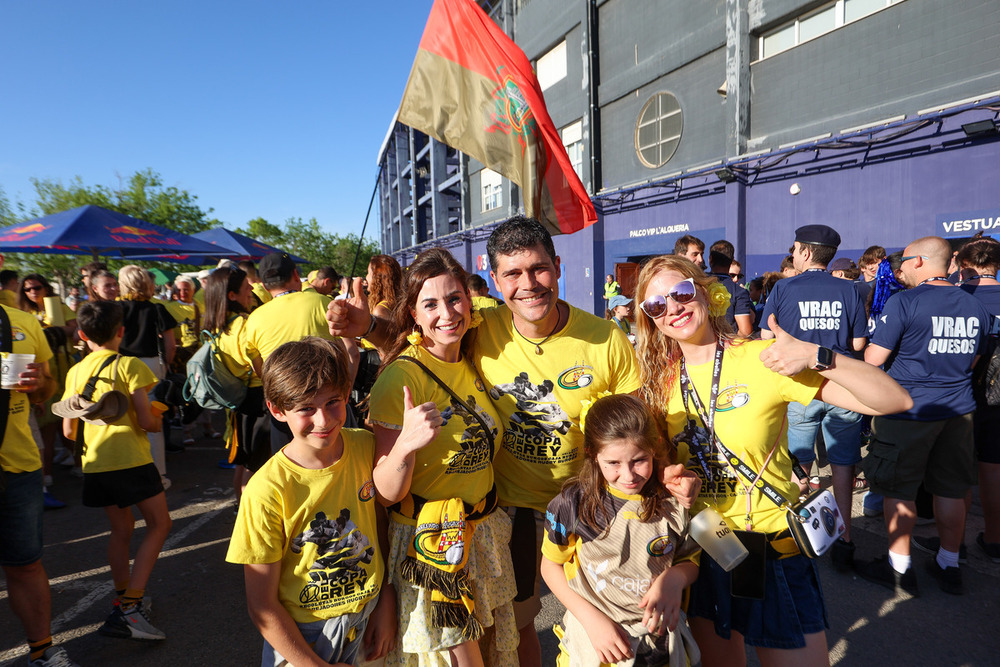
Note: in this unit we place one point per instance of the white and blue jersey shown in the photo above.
(935, 334)
(818, 308)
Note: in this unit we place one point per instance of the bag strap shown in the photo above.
(91, 386)
(6, 345)
(457, 398)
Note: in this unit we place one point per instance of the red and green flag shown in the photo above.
(473, 89)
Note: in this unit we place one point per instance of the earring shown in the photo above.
(415, 337)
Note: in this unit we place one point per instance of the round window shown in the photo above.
(658, 130)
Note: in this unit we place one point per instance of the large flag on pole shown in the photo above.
(473, 89)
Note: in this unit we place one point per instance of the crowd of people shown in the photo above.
(413, 456)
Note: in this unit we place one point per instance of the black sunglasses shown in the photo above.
(36, 288)
(682, 292)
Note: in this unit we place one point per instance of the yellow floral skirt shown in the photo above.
(419, 643)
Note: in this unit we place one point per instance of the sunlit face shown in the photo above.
(185, 292)
(684, 322)
(621, 312)
(625, 466)
(443, 311)
(695, 255)
(316, 424)
(245, 296)
(370, 276)
(869, 271)
(35, 291)
(528, 280)
(106, 288)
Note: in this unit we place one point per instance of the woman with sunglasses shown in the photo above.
(715, 390)
(31, 299)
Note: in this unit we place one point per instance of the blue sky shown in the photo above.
(269, 109)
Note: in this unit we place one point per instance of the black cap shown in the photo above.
(841, 264)
(276, 268)
(818, 235)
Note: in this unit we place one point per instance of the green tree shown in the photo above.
(308, 240)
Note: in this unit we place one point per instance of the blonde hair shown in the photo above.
(136, 283)
(659, 355)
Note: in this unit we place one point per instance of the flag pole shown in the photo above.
(361, 240)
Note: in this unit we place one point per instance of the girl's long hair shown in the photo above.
(610, 419)
(26, 304)
(386, 280)
(659, 356)
(429, 264)
(218, 305)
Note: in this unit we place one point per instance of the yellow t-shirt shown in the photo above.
(539, 397)
(287, 318)
(19, 452)
(186, 332)
(261, 292)
(484, 302)
(121, 445)
(233, 350)
(457, 464)
(749, 419)
(321, 526)
(8, 298)
(199, 298)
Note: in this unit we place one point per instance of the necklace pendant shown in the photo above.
(538, 349)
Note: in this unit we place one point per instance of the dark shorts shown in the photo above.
(987, 434)
(253, 431)
(21, 507)
(791, 609)
(905, 453)
(123, 488)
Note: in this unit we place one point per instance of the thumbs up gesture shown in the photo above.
(421, 424)
(349, 317)
(787, 355)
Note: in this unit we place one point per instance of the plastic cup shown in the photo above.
(12, 367)
(158, 408)
(715, 536)
(54, 311)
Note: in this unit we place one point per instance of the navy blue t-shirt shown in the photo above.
(739, 299)
(989, 295)
(934, 333)
(818, 308)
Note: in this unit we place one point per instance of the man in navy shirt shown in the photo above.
(816, 307)
(740, 313)
(930, 335)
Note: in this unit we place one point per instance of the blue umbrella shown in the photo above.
(92, 230)
(231, 245)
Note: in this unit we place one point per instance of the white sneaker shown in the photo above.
(54, 656)
(133, 624)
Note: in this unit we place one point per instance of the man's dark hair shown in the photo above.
(100, 320)
(328, 272)
(787, 263)
(723, 247)
(681, 246)
(93, 267)
(248, 268)
(822, 255)
(873, 255)
(476, 283)
(516, 234)
(7, 275)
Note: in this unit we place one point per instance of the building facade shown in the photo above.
(736, 119)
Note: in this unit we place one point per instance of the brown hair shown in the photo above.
(980, 254)
(431, 263)
(297, 371)
(386, 280)
(658, 354)
(217, 303)
(26, 304)
(613, 418)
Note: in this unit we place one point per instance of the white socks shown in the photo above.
(946, 559)
(900, 563)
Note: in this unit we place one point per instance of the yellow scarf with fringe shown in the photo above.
(436, 560)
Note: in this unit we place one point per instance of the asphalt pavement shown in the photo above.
(198, 598)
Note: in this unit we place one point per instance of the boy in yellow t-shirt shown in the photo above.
(118, 469)
(309, 532)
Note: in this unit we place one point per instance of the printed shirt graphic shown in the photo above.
(539, 397)
(121, 445)
(749, 418)
(19, 452)
(457, 463)
(613, 572)
(816, 307)
(935, 333)
(321, 525)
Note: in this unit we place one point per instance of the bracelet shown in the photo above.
(371, 327)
